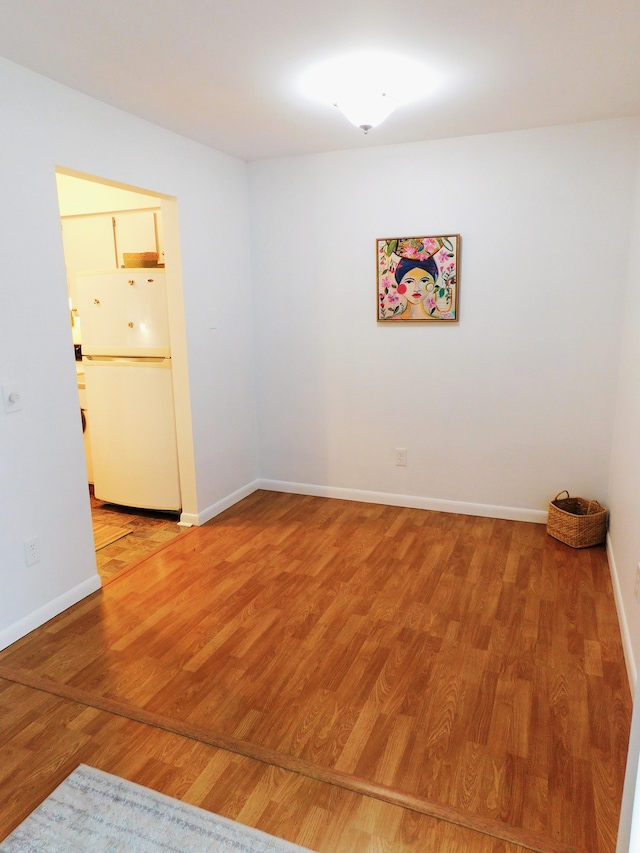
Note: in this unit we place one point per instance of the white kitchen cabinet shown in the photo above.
(98, 241)
(88, 245)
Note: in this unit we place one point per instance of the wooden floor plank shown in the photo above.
(469, 662)
(286, 804)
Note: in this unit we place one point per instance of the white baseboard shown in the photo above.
(411, 501)
(34, 620)
(189, 520)
(387, 498)
(627, 646)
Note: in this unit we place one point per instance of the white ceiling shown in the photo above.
(225, 72)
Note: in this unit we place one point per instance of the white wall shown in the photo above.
(624, 503)
(43, 482)
(624, 488)
(507, 407)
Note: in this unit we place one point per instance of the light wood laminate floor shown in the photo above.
(353, 677)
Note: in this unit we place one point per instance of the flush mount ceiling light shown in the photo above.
(366, 87)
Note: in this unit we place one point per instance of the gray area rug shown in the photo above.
(95, 811)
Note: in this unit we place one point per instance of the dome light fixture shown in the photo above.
(366, 87)
(366, 110)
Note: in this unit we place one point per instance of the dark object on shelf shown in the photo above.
(576, 521)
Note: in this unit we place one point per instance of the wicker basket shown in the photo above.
(140, 259)
(577, 522)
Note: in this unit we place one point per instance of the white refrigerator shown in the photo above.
(126, 354)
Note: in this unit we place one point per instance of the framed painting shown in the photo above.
(418, 278)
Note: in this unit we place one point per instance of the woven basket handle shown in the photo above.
(560, 493)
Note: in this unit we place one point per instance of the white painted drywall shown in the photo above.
(624, 488)
(507, 407)
(43, 482)
(624, 505)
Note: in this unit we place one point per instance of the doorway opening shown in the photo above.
(121, 249)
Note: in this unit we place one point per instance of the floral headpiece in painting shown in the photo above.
(415, 248)
(420, 249)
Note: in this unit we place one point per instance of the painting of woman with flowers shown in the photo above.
(418, 278)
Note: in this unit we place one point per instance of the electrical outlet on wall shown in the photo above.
(32, 550)
(636, 591)
(11, 397)
(401, 455)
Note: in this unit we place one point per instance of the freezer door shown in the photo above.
(124, 313)
(133, 434)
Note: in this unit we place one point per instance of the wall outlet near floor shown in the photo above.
(636, 591)
(32, 550)
(401, 455)
(11, 397)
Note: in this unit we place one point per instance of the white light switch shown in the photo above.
(11, 397)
